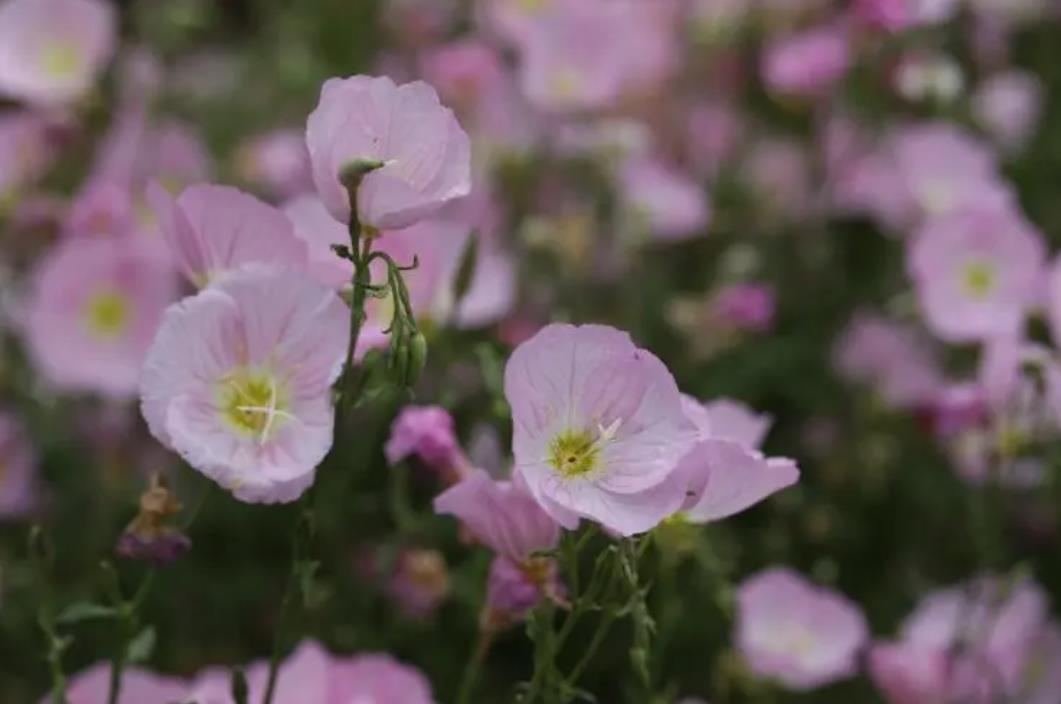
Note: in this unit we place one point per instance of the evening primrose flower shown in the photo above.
(95, 306)
(425, 155)
(213, 229)
(238, 381)
(978, 272)
(598, 427)
(52, 50)
(802, 635)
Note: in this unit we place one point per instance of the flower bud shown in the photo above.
(149, 538)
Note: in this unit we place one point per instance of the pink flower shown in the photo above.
(890, 15)
(276, 161)
(725, 473)
(745, 306)
(26, 152)
(426, 154)
(798, 633)
(18, 468)
(428, 433)
(238, 381)
(892, 357)
(52, 50)
(971, 643)
(315, 226)
(500, 514)
(464, 72)
(102, 208)
(1009, 105)
(419, 583)
(138, 687)
(715, 130)
(311, 675)
(214, 229)
(598, 425)
(978, 272)
(807, 64)
(95, 306)
(671, 205)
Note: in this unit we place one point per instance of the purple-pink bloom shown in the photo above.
(599, 427)
(92, 686)
(745, 306)
(670, 205)
(429, 434)
(425, 153)
(26, 152)
(1008, 105)
(501, 515)
(52, 50)
(802, 635)
(18, 468)
(276, 161)
(238, 381)
(94, 308)
(978, 272)
(808, 64)
(212, 229)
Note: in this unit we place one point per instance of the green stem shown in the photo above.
(594, 645)
(544, 649)
(472, 668)
(281, 631)
(362, 279)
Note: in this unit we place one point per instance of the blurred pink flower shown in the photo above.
(212, 229)
(277, 162)
(463, 73)
(890, 15)
(419, 583)
(900, 365)
(95, 305)
(51, 51)
(778, 170)
(92, 686)
(102, 208)
(512, 591)
(501, 515)
(598, 425)
(315, 226)
(1008, 105)
(311, 675)
(429, 434)
(238, 381)
(426, 154)
(418, 22)
(798, 633)
(18, 468)
(667, 201)
(26, 153)
(715, 130)
(808, 64)
(972, 643)
(978, 272)
(745, 306)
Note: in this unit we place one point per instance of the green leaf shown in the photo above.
(141, 647)
(85, 611)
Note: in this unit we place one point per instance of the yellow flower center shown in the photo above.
(252, 402)
(574, 453)
(978, 279)
(532, 7)
(60, 60)
(565, 82)
(107, 314)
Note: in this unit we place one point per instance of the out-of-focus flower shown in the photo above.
(429, 434)
(900, 365)
(932, 76)
(102, 208)
(890, 15)
(797, 633)
(514, 19)
(26, 152)
(276, 161)
(92, 686)
(978, 272)
(1008, 105)
(745, 306)
(463, 73)
(419, 583)
(501, 515)
(238, 381)
(418, 22)
(714, 131)
(718, 21)
(212, 229)
(777, 170)
(808, 64)
(52, 50)
(971, 643)
(95, 306)
(150, 537)
(425, 153)
(512, 590)
(662, 199)
(320, 231)
(18, 468)
(598, 426)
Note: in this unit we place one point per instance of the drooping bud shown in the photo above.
(149, 537)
